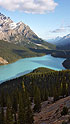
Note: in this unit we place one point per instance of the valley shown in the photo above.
(34, 62)
(18, 41)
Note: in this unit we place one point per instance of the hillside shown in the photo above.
(42, 77)
(40, 85)
(13, 52)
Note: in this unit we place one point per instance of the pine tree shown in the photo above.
(63, 88)
(25, 115)
(9, 114)
(56, 94)
(28, 111)
(2, 118)
(37, 100)
(21, 111)
(15, 105)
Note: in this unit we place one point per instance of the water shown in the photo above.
(24, 66)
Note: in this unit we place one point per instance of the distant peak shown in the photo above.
(2, 14)
(68, 35)
(19, 23)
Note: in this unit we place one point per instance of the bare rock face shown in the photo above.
(15, 32)
(3, 61)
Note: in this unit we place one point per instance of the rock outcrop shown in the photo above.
(3, 61)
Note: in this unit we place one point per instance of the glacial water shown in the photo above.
(26, 65)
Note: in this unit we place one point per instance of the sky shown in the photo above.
(47, 18)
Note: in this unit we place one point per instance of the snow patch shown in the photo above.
(39, 44)
(12, 25)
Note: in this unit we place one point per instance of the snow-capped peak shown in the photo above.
(68, 36)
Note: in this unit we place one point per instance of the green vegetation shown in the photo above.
(42, 70)
(48, 82)
(64, 111)
(16, 108)
(13, 52)
(64, 122)
(37, 99)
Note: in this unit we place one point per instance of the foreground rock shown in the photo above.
(3, 61)
(51, 113)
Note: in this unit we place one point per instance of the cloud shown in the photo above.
(60, 30)
(68, 26)
(29, 6)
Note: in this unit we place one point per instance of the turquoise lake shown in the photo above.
(26, 65)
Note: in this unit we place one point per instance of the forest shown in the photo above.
(18, 95)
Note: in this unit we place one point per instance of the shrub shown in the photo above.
(64, 111)
(64, 122)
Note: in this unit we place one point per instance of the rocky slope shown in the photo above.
(51, 113)
(14, 32)
(3, 61)
(11, 31)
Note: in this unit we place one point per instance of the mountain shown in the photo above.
(18, 41)
(54, 41)
(19, 33)
(64, 43)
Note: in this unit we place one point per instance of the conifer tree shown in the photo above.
(37, 100)
(28, 111)
(2, 118)
(25, 115)
(9, 114)
(21, 111)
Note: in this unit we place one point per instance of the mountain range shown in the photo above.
(54, 40)
(64, 43)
